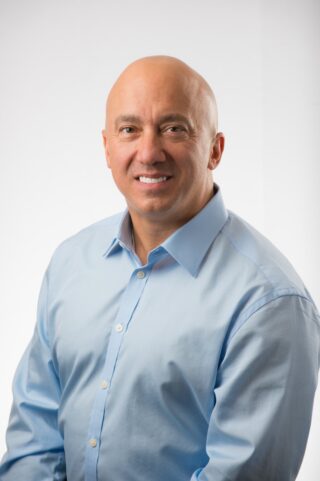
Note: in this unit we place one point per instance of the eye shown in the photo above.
(126, 130)
(175, 129)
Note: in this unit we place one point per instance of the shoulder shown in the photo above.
(264, 278)
(258, 257)
(90, 242)
(270, 299)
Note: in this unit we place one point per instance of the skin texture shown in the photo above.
(161, 120)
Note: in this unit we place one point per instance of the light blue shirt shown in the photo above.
(200, 365)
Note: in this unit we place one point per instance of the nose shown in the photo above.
(150, 148)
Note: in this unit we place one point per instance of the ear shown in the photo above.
(106, 146)
(216, 151)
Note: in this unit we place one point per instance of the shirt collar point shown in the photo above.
(189, 244)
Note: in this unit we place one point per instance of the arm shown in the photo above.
(34, 444)
(264, 394)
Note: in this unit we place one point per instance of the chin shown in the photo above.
(151, 210)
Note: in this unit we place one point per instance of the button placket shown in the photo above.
(104, 384)
(141, 274)
(93, 442)
(129, 301)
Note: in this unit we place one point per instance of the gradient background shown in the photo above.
(58, 60)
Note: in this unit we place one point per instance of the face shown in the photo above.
(160, 145)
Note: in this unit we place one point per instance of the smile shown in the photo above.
(152, 180)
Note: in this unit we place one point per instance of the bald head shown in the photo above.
(164, 72)
(161, 141)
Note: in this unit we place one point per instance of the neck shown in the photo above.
(146, 236)
(150, 231)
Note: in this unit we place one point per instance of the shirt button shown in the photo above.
(140, 274)
(104, 384)
(93, 442)
(119, 327)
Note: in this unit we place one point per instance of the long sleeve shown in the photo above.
(264, 395)
(34, 445)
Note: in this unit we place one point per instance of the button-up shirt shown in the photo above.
(199, 365)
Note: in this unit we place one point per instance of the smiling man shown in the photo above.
(173, 341)
(161, 144)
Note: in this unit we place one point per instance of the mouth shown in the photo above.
(154, 179)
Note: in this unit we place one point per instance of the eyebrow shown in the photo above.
(127, 118)
(173, 117)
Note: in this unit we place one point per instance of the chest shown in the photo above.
(167, 325)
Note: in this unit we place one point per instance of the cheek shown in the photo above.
(119, 165)
(118, 161)
(120, 152)
(116, 166)
(120, 181)
(191, 162)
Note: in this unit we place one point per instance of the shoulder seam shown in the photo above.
(234, 245)
(262, 302)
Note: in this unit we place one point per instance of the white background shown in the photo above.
(59, 58)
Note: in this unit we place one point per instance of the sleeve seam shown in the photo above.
(264, 301)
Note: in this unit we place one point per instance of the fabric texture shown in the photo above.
(200, 365)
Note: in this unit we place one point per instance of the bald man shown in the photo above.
(173, 341)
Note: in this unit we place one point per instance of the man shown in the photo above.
(173, 342)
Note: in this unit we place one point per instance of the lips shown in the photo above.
(152, 179)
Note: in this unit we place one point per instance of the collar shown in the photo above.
(187, 245)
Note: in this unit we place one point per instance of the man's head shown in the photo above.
(161, 139)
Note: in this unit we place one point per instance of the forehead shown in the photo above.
(153, 93)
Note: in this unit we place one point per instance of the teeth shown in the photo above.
(152, 180)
